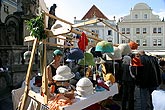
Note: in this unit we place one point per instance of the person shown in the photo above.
(51, 68)
(159, 94)
(128, 84)
(149, 79)
(61, 81)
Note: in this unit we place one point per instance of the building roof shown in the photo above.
(94, 12)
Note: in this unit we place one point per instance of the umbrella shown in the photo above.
(104, 47)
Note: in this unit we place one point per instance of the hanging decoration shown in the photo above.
(83, 41)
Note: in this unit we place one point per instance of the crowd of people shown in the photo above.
(133, 70)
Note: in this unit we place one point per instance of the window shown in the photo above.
(123, 41)
(138, 42)
(6, 8)
(137, 30)
(123, 30)
(127, 30)
(145, 16)
(159, 42)
(144, 30)
(154, 30)
(154, 42)
(144, 42)
(159, 30)
(136, 16)
(109, 32)
(95, 31)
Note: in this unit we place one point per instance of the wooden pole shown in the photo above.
(27, 81)
(44, 76)
(55, 17)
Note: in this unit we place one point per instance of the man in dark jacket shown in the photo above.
(149, 79)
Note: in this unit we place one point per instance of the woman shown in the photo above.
(51, 68)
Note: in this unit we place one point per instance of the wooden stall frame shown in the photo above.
(43, 97)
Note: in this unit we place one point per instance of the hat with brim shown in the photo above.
(95, 53)
(99, 60)
(87, 60)
(133, 45)
(125, 49)
(136, 62)
(104, 47)
(75, 54)
(63, 73)
(57, 52)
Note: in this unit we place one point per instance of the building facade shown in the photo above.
(104, 32)
(143, 27)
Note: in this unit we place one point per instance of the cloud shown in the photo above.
(161, 14)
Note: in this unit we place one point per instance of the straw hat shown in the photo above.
(87, 60)
(125, 49)
(136, 62)
(104, 46)
(63, 73)
(109, 77)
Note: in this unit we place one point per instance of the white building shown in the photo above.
(143, 27)
(104, 32)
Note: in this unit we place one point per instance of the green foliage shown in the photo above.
(36, 27)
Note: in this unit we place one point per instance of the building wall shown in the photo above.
(141, 17)
(102, 30)
(7, 8)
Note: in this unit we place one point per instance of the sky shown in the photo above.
(68, 9)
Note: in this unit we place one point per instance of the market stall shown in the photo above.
(42, 97)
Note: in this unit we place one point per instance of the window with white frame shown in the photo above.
(154, 42)
(159, 30)
(154, 30)
(159, 42)
(123, 30)
(110, 32)
(145, 16)
(144, 30)
(138, 42)
(144, 42)
(137, 30)
(127, 30)
(123, 41)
